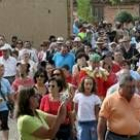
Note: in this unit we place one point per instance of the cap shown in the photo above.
(77, 39)
(60, 40)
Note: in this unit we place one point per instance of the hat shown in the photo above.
(100, 40)
(6, 47)
(94, 57)
(77, 39)
(60, 40)
(80, 55)
(125, 39)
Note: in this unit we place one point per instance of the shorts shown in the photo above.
(4, 120)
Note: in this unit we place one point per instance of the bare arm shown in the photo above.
(97, 109)
(53, 122)
(101, 128)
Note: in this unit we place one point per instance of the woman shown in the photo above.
(34, 124)
(22, 79)
(67, 91)
(40, 78)
(50, 104)
(67, 87)
(5, 93)
(81, 61)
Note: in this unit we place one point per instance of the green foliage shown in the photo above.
(124, 17)
(85, 10)
(114, 2)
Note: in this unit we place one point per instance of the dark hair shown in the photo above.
(23, 103)
(125, 78)
(63, 78)
(39, 72)
(14, 37)
(28, 67)
(66, 67)
(42, 65)
(81, 86)
(59, 83)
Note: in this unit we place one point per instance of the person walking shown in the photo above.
(120, 113)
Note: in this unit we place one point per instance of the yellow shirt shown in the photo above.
(28, 124)
(123, 117)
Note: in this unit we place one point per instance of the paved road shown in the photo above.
(13, 135)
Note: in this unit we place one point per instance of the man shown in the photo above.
(64, 57)
(120, 113)
(9, 63)
(129, 52)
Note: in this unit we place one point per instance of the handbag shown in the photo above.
(9, 104)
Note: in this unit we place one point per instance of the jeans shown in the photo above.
(111, 136)
(87, 130)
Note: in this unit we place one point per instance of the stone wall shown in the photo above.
(33, 20)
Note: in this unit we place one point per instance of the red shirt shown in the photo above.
(116, 67)
(49, 106)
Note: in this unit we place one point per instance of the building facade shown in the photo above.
(35, 20)
(103, 10)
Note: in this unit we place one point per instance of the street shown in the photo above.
(13, 135)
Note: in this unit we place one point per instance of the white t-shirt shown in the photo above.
(86, 106)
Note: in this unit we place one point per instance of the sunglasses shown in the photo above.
(51, 86)
(41, 76)
(56, 74)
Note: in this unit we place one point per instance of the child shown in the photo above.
(88, 104)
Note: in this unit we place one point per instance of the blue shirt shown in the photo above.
(61, 60)
(6, 90)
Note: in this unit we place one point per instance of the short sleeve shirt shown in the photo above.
(86, 106)
(28, 124)
(6, 90)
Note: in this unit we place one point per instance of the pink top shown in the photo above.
(18, 82)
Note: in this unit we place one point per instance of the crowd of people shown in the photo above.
(85, 87)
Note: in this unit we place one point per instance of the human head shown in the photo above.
(19, 44)
(81, 59)
(55, 86)
(107, 58)
(118, 56)
(44, 45)
(6, 48)
(49, 68)
(87, 85)
(27, 45)
(40, 76)
(23, 68)
(27, 101)
(127, 86)
(64, 49)
(25, 55)
(94, 60)
(14, 40)
(59, 74)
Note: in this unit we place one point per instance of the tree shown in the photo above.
(124, 17)
(85, 10)
(114, 2)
